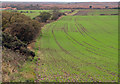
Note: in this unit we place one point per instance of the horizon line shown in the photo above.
(60, 1)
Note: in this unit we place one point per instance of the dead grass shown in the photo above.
(31, 46)
(11, 62)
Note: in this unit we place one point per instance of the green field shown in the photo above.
(103, 11)
(96, 12)
(37, 12)
(83, 12)
(34, 12)
(79, 48)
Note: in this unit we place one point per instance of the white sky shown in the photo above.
(63, 0)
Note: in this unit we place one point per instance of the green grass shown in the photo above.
(65, 10)
(79, 48)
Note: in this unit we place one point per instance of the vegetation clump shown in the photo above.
(13, 43)
(43, 17)
(46, 16)
(19, 31)
(56, 13)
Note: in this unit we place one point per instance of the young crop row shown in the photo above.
(79, 48)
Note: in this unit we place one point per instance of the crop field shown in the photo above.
(96, 12)
(34, 13)
(81, 12)
(79, 48)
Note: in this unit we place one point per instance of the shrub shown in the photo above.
(8, 18)
(43, 17)
(20, 26)
(56, 15)
(11, 42)
(26, 32)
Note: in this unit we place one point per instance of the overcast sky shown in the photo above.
(63, 0)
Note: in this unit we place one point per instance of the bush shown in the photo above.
(21, 26)
(26, 32)
(8, 18)
(43, 17)
(56, 15)
(11, 42)
(18, 31)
